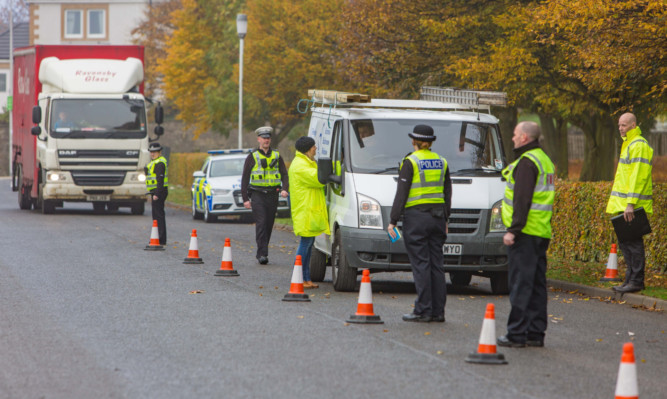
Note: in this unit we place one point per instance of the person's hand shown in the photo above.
(283, 194)
(508, 239)
(629, 213)
(246, 204)
(154, 197)
(390, 230)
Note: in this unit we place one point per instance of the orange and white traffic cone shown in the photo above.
(193, 253)
(365, 313)
(154, 244)
(611, 274)
(486, 350)
(295, 293)
(626, 383)
(226, 267)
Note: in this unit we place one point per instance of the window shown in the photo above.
(73, 22)
(3, 82)
(96, 24)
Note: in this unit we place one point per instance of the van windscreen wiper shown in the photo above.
(477, 170)
(391, 169)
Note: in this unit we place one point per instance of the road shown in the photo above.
(85, 312)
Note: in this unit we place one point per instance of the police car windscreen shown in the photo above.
(97, 118)
(378, 145)
(227, 167)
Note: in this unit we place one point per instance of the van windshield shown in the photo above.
(379, 145)
(97, 118)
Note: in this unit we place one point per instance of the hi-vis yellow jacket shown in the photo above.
(308, 205)
(633, 183)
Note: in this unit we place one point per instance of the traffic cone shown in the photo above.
(365, 313)
(486, 350)
(295, 293)
(154, 244)
(193, 253)
(626, 383)
(611, 274)
(226, 268)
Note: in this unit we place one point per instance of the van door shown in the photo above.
(335, 191)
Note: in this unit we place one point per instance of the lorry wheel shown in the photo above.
(195, 214)
(24, 193)
(318, 265)
(138, 208)
(99, 207)
(208, 216)
(499, 283)
(48, 207)
(343, 276)
(460, 278)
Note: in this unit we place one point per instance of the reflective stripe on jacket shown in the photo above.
(151, 178)
(265, 177)
(633, 183)
(538, 222)
(428, 178)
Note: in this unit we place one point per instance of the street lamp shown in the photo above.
(241, 29)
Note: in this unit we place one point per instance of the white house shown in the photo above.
(21, 39)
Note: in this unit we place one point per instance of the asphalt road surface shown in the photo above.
(85, 312)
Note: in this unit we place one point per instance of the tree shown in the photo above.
(20, 11)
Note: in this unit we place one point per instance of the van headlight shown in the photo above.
(496, 221)
(370, 213)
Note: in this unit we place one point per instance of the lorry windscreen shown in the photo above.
(97, 118)
(379, 145)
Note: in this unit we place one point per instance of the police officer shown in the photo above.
(633, 188)
(423, 196)
(157, 185)
(526, 212)
(264, 178)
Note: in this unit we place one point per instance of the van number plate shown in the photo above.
(98, 198)
(452, 249)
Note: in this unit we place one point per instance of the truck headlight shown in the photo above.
(56, 176)
(496, 220)
(370, 214)
(220, 191)
(141, 177)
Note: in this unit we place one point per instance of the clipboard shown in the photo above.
(634, 230)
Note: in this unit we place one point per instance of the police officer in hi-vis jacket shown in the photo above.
(264, 179)
(423, 196)
(157, 185)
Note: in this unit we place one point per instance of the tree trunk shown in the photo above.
(554, 132)
(283, 130)
(508, 119)
(600, 135)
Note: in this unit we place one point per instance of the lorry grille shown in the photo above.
(128, 158)
(98, 178)
(464, 221)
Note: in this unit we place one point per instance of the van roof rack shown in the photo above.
(472, 98)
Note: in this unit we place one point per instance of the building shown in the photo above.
(21, 39)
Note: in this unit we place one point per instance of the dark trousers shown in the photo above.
(264, 207)
(424, 236)
(157, 209)
(528, 288)
(633, 252)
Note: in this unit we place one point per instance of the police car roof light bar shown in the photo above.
(229, 152)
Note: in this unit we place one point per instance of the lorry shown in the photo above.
(360, 143)
(80, 129)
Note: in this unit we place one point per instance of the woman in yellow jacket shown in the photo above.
(308, 206)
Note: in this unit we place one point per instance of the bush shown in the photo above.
(583, 231)
(182, 165)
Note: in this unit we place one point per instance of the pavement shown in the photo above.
(604, 294)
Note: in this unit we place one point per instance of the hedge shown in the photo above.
(581, 229)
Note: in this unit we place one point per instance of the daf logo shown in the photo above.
(133, 153)
(65, 153)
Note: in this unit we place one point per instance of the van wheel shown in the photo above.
(460, 278)
(343, 276)
(499, 283)
(318, 265)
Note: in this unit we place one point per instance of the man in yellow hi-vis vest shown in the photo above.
(526, 212)
(423, 196)
(633, 188)
(157, 184)
(264, 179)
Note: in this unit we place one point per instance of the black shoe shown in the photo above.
(617, 287)
(263, 260)
(416, 318)
(438, 319)
(539, 343)
(504, 341)
(629, 288)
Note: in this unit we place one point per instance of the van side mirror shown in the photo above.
(36, 114)
(159, 115)
(36, 130)
(325, 172)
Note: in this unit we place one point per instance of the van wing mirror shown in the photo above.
(325, 172)
(36, 114)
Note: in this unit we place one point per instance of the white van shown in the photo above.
(359, 148)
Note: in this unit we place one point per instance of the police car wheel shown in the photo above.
(343, 276)
(195, 215)
(208, 216)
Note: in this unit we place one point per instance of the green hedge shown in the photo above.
(582, 230)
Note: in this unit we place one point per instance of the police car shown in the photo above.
(216, 188)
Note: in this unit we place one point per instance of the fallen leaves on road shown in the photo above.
(197, 292)
(427, 333)
(299, 317)
(438, 353)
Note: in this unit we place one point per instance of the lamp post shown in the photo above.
(241, 29)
